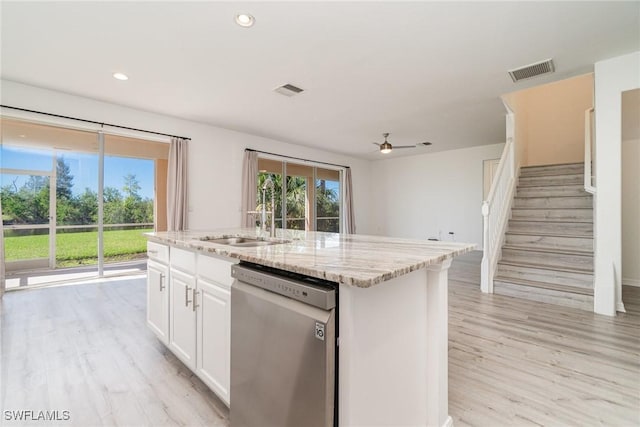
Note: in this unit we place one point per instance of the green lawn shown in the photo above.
(74, 249)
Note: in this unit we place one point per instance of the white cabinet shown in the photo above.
(188, 308)
(182, 306)
(158, 290)
(213, 325)
(182, 317)
(158, 299)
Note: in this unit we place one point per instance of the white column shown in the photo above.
(612, 77)
(437, 345)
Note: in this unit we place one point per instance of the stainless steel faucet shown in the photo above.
(263, 220)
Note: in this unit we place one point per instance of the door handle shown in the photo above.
(195, 295)
(162, 286)
(186, 296)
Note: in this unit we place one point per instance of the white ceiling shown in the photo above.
(423, 71)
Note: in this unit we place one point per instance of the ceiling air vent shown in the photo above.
(532, 70)
(288, 90)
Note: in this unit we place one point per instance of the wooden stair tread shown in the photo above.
(542, 285)
(553, 221)
(553, 165)
(545, 267)
(535, 184)
(549, 208)
(581, 196)
(546, 234)
(546, 249)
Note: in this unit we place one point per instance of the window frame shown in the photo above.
(310, 190)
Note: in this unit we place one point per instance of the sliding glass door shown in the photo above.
(312, 195)
(76, 205)
(26, 215)
(50, 185)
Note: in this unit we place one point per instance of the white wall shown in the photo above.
(631, 212)
(612, 77)
(429, 195)
(215, 154)
(550, 120)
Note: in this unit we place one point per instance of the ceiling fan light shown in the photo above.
(385, 147)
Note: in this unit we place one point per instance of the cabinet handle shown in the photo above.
(162, 286)
(152, 251)
(195, 295)
(186, 296)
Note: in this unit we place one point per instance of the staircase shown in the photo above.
(547, 253)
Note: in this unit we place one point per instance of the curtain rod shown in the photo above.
(94, 122)
(297, 158)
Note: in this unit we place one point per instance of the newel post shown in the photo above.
(486, 285)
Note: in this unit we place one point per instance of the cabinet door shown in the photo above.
(183, 317)
(158, 300)
(213, 336)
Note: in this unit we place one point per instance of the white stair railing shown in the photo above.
(589, 177)
(495, 213)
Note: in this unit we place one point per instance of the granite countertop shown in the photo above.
(351, 259)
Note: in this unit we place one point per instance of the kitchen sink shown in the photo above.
(247, 242)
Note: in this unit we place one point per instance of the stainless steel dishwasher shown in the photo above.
(283, 349)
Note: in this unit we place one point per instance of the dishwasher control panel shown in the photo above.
(308, 290)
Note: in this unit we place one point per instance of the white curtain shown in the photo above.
(349, 218)
(249, 185)
(177, 185)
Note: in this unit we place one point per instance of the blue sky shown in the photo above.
(83, 167)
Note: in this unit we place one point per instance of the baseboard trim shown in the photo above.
(627, 281)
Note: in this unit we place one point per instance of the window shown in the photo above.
(49, 184)
(312, 195)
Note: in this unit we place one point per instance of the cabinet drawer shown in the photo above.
(158, 251)
(183, 260)
(216, 269)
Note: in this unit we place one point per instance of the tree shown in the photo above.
(131, 187)
(113, 207)
(135, 209)
(66, 209)
(64, 180)
(87, 208)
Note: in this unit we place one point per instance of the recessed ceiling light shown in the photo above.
(245, 20)
(120, 76)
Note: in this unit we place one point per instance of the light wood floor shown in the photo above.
(86, 349)
(518, 362)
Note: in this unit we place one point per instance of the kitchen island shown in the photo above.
(392, 354)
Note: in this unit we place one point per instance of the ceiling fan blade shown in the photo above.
(375, 143)
(403, 146)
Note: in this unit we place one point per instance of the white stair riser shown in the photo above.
(574, 168)
(566, 278)
(579, 262)
(567, 299)
(548, 191)
(581, 215)
(553, 202)
(533, 227)
(558, 242)
(530, 181)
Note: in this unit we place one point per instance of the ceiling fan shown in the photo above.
(385, 147)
